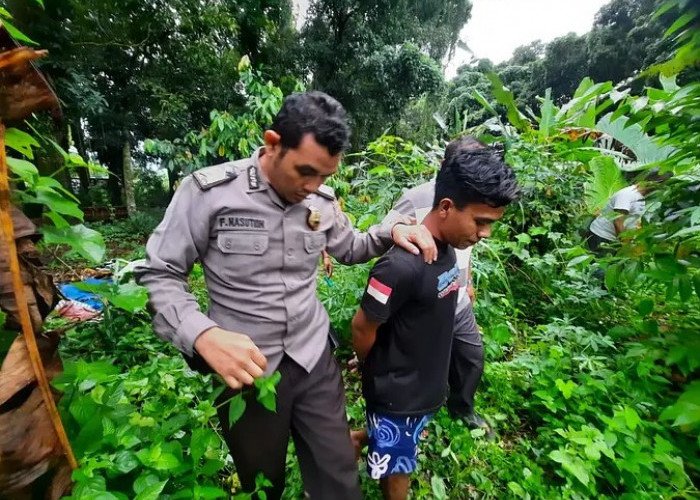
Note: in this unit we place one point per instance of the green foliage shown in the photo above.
(59, 205)
(127, 71)
(372, 57)
(607, 180)
(592, 389)
(228, 136)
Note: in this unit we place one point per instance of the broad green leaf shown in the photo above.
(130, 297)
(644, 148)
(23, 169)
(645, 306)
(631, 418)
(547, 112)
(57, 202)
(198, 443)
(437, 485)
(679, 23)
(607, 180)
(669, 82)
(125, 461)
(87, 242)
(500, 333)
(17, 34)
(571, 464)
(612, 274)
(167, 461)
(484, 102)
(21, 142)
(506, 98)
(566, 388)
(209, 492)
(151, 492)
(267, 391)
(580, 260)
(144, 481)
(236, 407)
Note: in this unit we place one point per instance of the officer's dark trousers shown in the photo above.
(466, 363)
(310, 406)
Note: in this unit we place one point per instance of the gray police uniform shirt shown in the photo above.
(260, 257)
(417, 202)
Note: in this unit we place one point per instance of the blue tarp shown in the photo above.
(71, 292)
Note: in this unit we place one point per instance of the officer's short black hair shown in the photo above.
(314, 113)
(476, 176)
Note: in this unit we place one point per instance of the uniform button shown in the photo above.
(257, 246)
(228, 245)
(290, 252)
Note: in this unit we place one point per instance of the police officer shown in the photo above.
(258, 226)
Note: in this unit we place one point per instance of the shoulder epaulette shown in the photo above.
(326, 191)
(208, 177)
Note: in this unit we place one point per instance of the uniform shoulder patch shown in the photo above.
(326, 191)
(208, 177)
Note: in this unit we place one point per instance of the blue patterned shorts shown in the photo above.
(393, 443)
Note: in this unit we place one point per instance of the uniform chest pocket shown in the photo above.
(314, 242)
(243, 242)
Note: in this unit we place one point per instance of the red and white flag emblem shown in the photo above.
(378, 290)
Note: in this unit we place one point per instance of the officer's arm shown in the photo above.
(171, 251)
(403, 208)
(364, 333)
(350, 246)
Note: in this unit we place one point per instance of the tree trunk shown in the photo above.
(128, 179)
(112, 158)
(79, 138)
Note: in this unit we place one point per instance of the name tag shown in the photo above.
(241, 223)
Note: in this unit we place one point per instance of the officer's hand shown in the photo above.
(232, 355)
(327, 264)
(414, 239)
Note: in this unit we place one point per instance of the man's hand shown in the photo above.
(232, 355)
(471, 293)
(415, 239)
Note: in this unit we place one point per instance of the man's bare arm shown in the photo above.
(364, 333)
(619, 222)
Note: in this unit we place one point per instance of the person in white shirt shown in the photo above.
(623, 212)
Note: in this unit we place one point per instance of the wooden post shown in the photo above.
(23, 309)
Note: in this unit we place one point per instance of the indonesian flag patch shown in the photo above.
(379, 290)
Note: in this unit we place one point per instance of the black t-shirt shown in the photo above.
(405, 372)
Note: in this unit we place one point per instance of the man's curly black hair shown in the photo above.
(475, 176)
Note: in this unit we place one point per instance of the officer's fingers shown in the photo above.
(254, 370)
(244, 377)
(424, 240)
(232, 382)
(258, 358)
(399, 235)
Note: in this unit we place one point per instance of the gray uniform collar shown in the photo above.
(257, 181)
